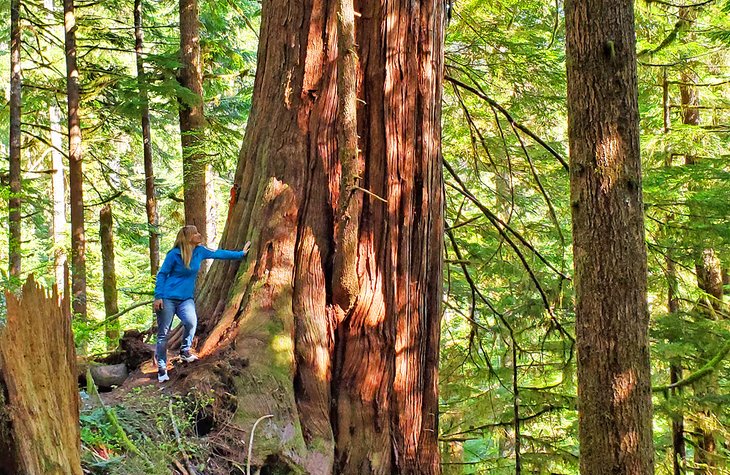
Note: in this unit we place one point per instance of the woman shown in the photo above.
(174, 291)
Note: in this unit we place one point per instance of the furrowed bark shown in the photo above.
(608, 239)
(339, 300)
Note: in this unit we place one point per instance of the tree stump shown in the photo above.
(39, 410)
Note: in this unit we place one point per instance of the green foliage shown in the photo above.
(507, 348)
(112, 144)
(511, 54)
(144, 416)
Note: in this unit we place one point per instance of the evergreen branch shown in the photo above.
(509, 117)
(172, 196)
(556, 25)
(474, 129)
(144, 28)
(104, 48)
(670, 4)
(707, 369)
(119, 314)
(495, 221)
(463, 223)
(684, 60)
(44, 88)
(245, 18)
(544, 410)
(671, 37)
(45, 141)
(693, 84)
(549, 202)
(108, 199)
(472, 318)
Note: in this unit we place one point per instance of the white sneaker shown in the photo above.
(162, 375)
(188, 356)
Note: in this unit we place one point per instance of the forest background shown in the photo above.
(507, 372)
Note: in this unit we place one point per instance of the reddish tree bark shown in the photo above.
(337, 308)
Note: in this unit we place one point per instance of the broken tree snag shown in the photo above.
(40, 411)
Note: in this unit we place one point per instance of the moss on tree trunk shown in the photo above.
(351, 382)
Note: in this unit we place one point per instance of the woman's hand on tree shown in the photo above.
(246, 247)
(157, 305)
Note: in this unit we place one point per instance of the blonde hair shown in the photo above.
(183, 243)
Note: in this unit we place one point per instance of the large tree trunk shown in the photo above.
(76, 177)
(14, 223)
(39, 411)
(337, 308)
(149, 174)
(608, 239)
(196, 169)
(109, 273)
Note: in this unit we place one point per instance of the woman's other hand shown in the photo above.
(246, 247)
(158, 305)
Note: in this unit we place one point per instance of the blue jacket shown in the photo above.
(175, 281)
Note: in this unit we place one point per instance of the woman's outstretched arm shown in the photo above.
(226, 254)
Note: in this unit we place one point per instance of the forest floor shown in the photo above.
(183, 426)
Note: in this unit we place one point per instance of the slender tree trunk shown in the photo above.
(109, 284)
(675, 374)
(608, 239)
(59, 195)
(58, 189)
(196, 169)
(76, 178)
(675, 367)
(337, 308)
(14, 238)
(149, 175)
(709, 280)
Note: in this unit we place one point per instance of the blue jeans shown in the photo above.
(185, 310)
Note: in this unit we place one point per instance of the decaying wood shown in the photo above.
(40, 408)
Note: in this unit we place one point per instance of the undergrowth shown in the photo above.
(138, 435)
